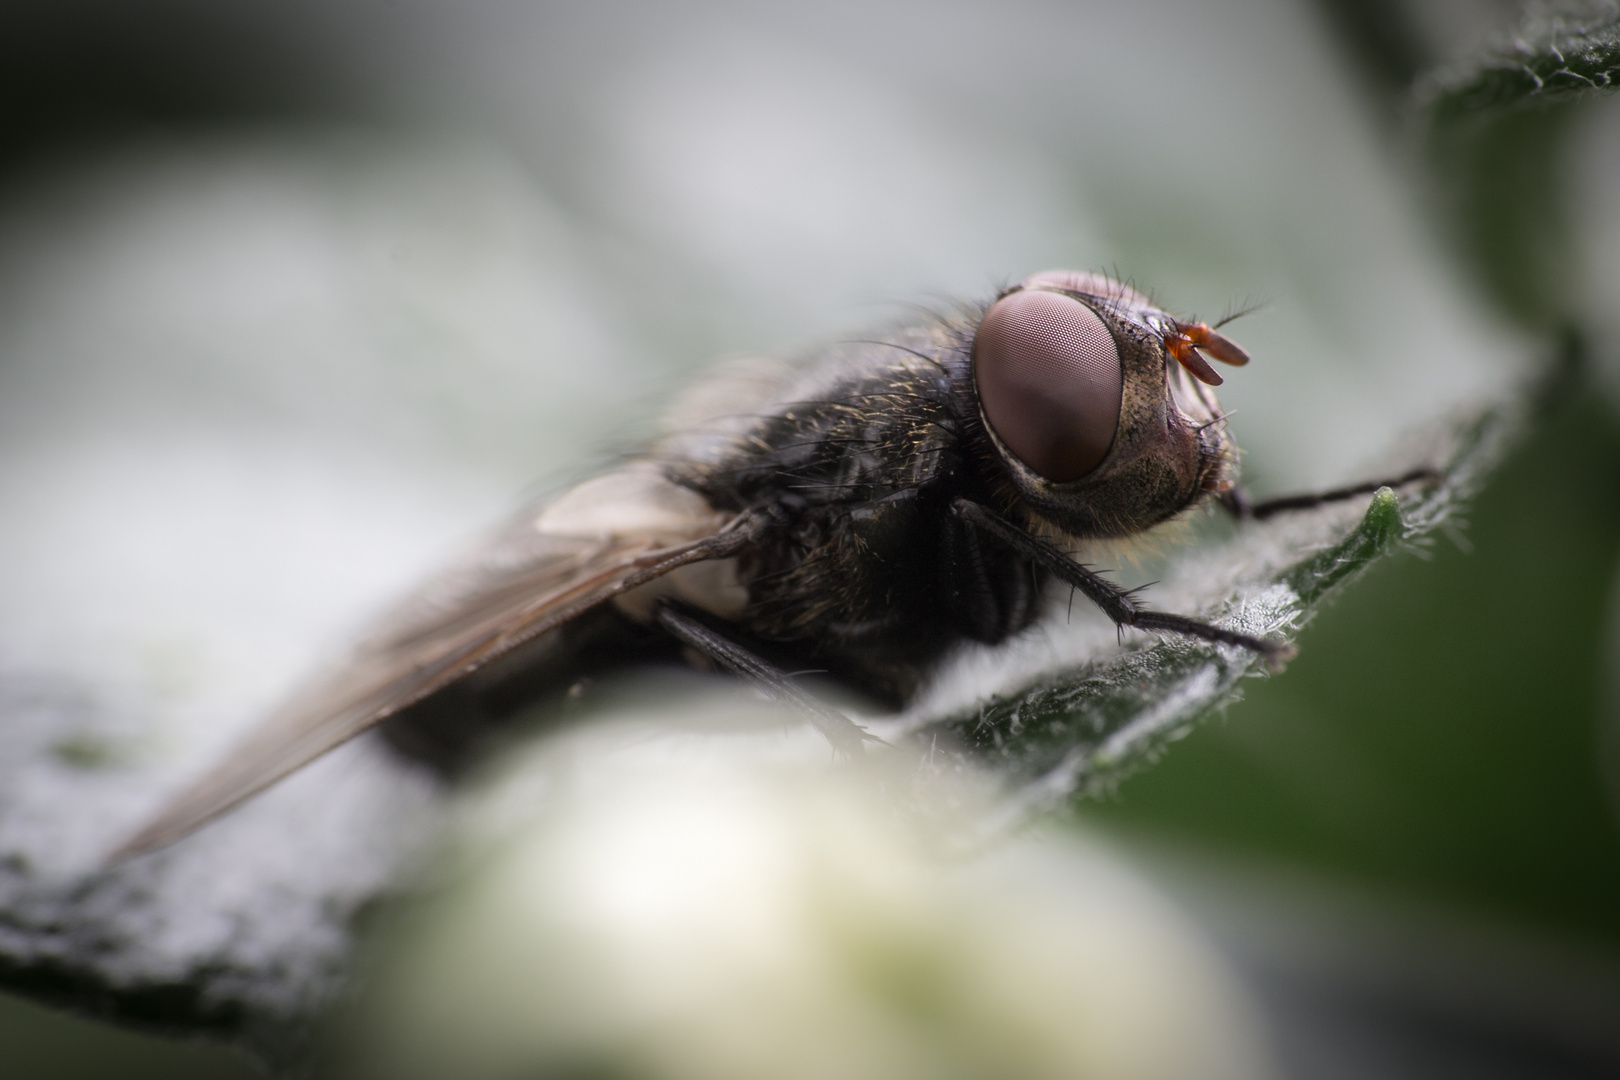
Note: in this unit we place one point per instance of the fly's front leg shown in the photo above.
(1117, 603)
(845, 735)
(1238, 503)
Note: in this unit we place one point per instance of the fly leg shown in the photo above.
(1117, 603)
(1238, 503)
(845, 735)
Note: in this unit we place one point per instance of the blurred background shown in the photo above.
(294, 297)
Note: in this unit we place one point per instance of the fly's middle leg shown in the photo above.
(1118, 604)
(1238, 503)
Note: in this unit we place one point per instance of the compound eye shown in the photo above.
(1050, 380)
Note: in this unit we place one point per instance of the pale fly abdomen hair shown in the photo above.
(858, 513)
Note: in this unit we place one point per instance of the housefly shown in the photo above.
(858, 513)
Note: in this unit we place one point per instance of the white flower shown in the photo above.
(656, 902)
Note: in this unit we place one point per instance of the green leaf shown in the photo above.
(1553, 57)
(1497, 129)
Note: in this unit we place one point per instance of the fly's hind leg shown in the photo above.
(1118, 604)
(845, 735)
(1238, 503)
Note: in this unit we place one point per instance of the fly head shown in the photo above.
(1099, 405)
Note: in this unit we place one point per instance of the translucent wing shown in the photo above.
(601, 539)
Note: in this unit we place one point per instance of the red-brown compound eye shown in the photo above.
(1050, 380)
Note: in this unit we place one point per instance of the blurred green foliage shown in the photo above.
(1439, 735)
(43, 1044)
(1438, 732)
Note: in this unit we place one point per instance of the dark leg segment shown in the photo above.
(1237, 501)
(1116, 603)
(844, 734)
(993, 596)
